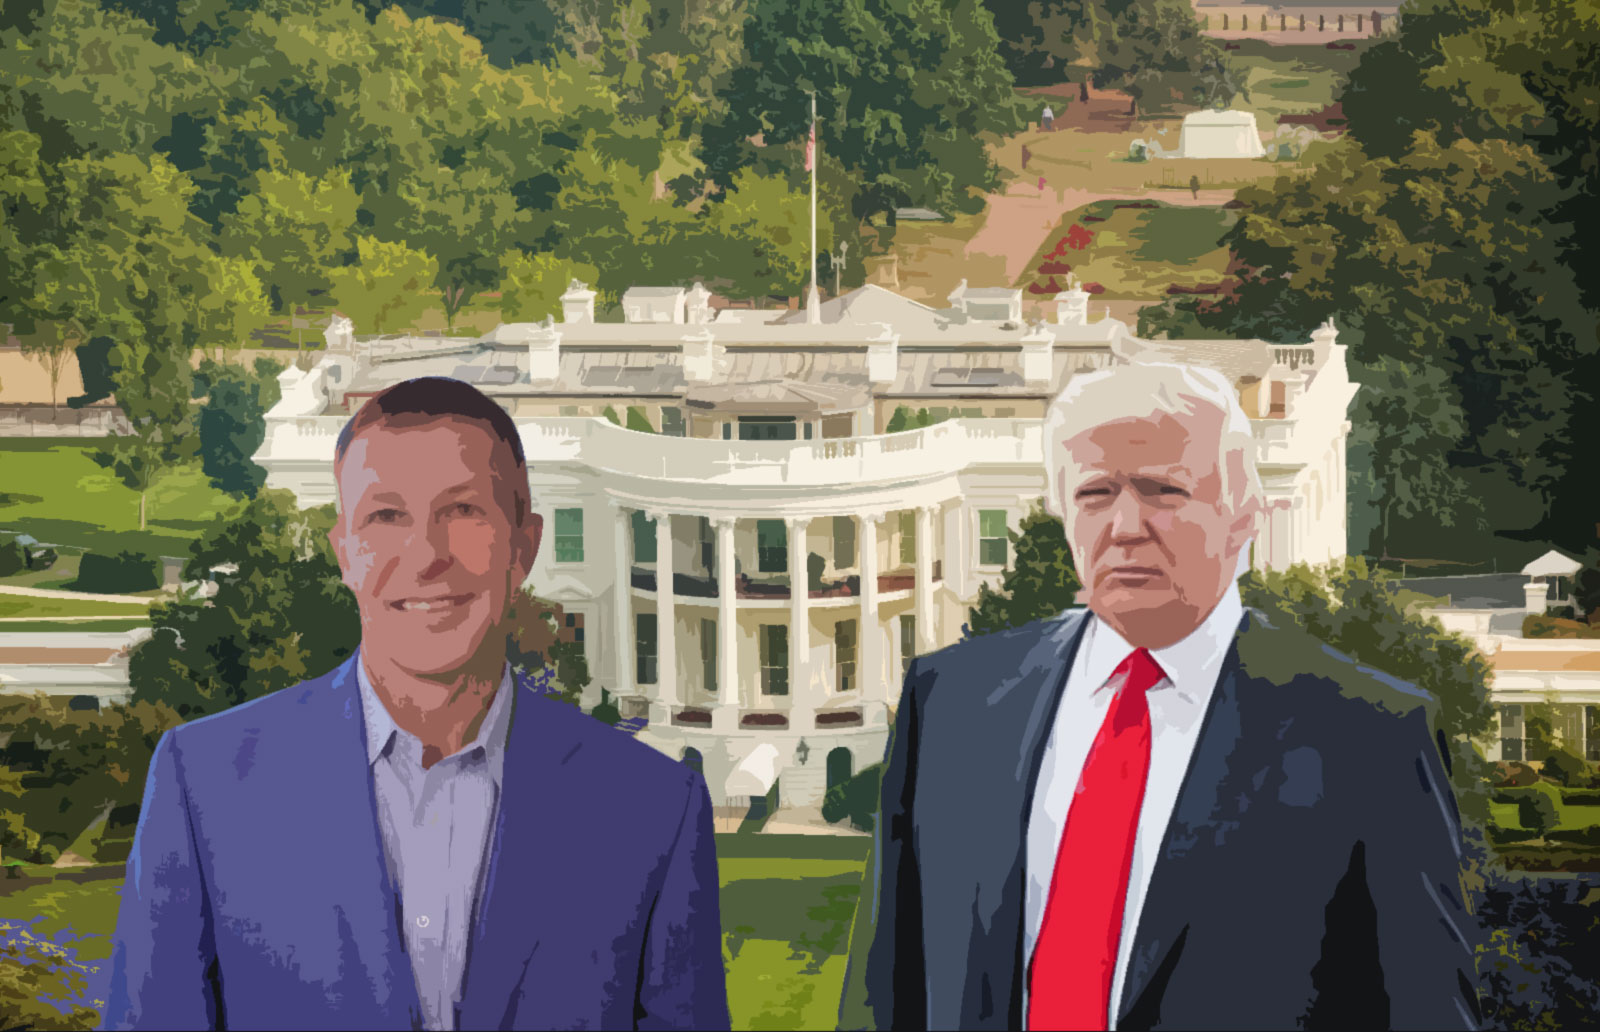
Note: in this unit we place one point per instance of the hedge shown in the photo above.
(856, 799)
(118, 574)
(12, 558)
(1566, 796)
(1506, 836)
(1589, 836)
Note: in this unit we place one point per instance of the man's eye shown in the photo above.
(1092, 492)
(1169, 489)
(385, 516)
(465, 509)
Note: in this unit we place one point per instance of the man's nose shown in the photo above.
(1127, 516)
(433, 548)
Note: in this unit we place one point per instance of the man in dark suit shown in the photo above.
(412, 840)
(1167, 810)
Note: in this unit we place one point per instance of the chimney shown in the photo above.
(544, 350)
(1534, 595)
(698, 306)
(958, 297)
(883, 355)
(699, 357)
(1294, 388)
(1072, 307)
(577, 304)
(1038, 346)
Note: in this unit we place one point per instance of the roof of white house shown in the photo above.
(1552, 564)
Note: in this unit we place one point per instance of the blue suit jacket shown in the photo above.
(257, 895)
(1309, 876)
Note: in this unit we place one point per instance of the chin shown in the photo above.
(425, 653)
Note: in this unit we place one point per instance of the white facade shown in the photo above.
(891, 533)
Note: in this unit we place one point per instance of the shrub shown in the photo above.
(1585, 796)
(12, 558)
(856, 799)
(606, 712)
(1589, 836)
(1564, 765)
(1535, 626)
(42, 983)
(1539, 808)
(1506, 836)
(1514, 773)
(118, 574)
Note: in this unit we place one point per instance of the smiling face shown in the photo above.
(1154, 537)
(427, 541)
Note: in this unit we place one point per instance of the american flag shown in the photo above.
(811, 147)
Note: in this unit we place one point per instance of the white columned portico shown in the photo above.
(666, 618)
(622, 601)
(726, 716)
(874, 687)
(924, 586)
(802, 707)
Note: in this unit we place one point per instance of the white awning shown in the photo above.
(756, 773)
(1552, 564)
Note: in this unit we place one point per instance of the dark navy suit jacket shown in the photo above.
(1309, 877)
(257, 895)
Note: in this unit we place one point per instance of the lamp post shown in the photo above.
(844, 247)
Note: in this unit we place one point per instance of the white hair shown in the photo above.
(1142, 390)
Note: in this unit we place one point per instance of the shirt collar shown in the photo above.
(492, 733)
(1191, 664)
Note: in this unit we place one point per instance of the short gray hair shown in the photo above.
(1141, 390)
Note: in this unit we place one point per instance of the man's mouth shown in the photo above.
(1135, 571)
(435, 604)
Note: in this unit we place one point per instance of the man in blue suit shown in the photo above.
(412, 841)
(1167, 811)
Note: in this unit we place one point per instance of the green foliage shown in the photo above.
(637, 420)
(905, 418)
(295, 228)
(855, 799)
(1539, 730)
(531, 285)
(117, 574)
(233, 424)
(284, 617)
(606, 711)
(1539, 810)
(1586, 585)
(904, 92)
(1040, 582)
(35, 974)
(1547, 626)
(535, 647)
(12, 558)
(1565, 766)
(611, 414)
(386, 289)
(74, 764)
(154, 392)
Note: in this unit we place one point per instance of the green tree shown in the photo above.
(296, 229)
(385, 290)
(1040, 582)
(283, 617)
(153, 392)
(232, 422)
(531, 285)
(904, 94)
(50, 344)
(538, 645)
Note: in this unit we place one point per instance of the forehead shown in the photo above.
(1161, 443)
(420, 455)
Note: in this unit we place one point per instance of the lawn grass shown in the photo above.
(54, 491)
(1139, 252)
(786, 925)
(43, 608)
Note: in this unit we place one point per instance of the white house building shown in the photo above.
(752, 577)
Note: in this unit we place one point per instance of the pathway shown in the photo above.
(1018, 221)
(81, 596)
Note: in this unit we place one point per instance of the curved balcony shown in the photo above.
(847, 589)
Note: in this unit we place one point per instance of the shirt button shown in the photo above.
(422, 921)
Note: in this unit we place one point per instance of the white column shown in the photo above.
(924, 586)
(666, 617)
(874, 687)
(622, 601)
(802, 706)
(726, 715)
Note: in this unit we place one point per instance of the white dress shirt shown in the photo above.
(437, 825)
(1177, 705)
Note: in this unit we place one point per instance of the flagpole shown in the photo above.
(813, 308)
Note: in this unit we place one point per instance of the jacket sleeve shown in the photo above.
(682, 983)
(885, 981)
(1426, 937)
(163, 957)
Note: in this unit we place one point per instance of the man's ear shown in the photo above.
(529, 537)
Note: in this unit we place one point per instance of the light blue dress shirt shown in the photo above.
(437, 825)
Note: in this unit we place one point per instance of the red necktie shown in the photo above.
(1075, 956)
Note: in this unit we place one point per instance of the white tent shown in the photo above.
(755, 773)
(1219, 134)
(1552, 564)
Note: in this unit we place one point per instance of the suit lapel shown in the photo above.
(1187, 849)
(1034, 714)
(508, 922)
(338, 810)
